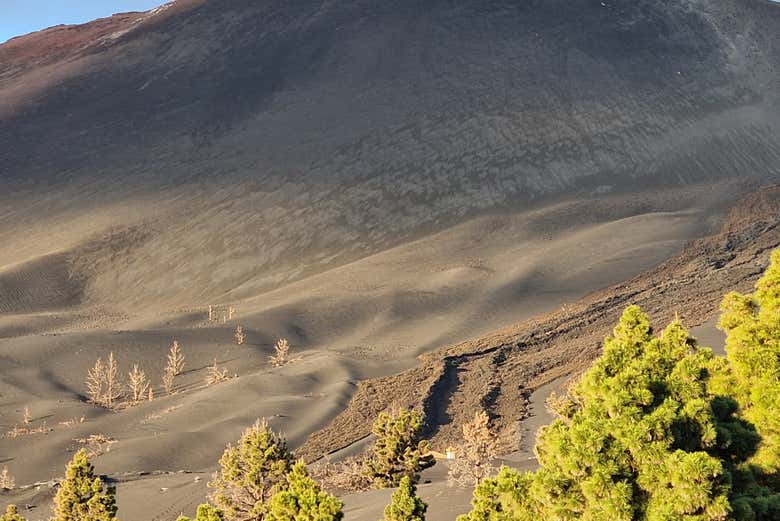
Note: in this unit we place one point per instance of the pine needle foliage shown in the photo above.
(302, 499)
(750, 375)
(752, 326)
(405, 505)
(653, 431)
(205, 513)
(505, 498)
(399, 449)
(82, 496)
(11, 514)
(251, 471)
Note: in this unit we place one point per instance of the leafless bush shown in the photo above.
(221, 313)
(282, 355)
(239, 335)
(474, 457)
(7, 481)
(176, 358)
(174, 367)
(96, 444)
(17, 431)
(71, 422)
(561, 406)
(138, 383)
(477, 263)
(564, 404)
(159, 414)
(215, 374)
(168, 379)
(104, 386)
(96, 382)
(114, 386)
(343, 476)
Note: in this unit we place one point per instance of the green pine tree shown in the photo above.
(399, 449)
(82, 496)
(648, 435)
(303, 500)
(752, 326)
(405, 505)
(11, 514)
(205, 513)
(503, 498)
(249, 472)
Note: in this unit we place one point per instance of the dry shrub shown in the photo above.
(114, 386)
(96, 444)
(94, 381)
(168, 380)
(138, 383)
(563, 406)
(7, 481)
(221, 313)
(282, 355)
(73, 421)
(343, 476)
(159, 414)
(474, 457)
(174, 367)
(176, 358)
(239, 335)
(215, 374)
(104, 386)
(477, 263)
(17, 431)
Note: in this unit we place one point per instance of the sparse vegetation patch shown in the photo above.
(474, 457)
(104, 386)
(7, 481)
(173, 367)
(282, 353)
(216, 374)
(399, 449)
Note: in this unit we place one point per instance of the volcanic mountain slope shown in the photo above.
(299, 136)
(162, 452)
(497, 372)
(372, 180)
